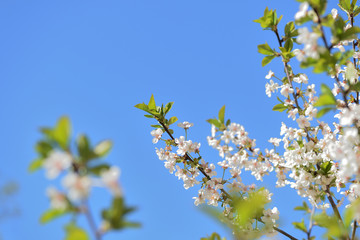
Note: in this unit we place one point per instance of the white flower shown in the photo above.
(311, 112)
(340, 47)
(275, 141)
(185, 125)
(57, 198)
(356, 55)
(270, 75)
(300, 55)
(302, 78)
(309, 39)
(302, 11)
(270, 88)
(78, 186)
(286, 90)
(292, 113)
(156, 134)
(110, 179)
(303, 122)
(56, 162)
(213, 130)
(334, 13)
(351, 73)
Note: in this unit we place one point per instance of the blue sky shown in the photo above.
(94, 60)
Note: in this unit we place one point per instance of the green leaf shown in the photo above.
(345, 5)
(265, 49)
(51, 214)
(331, 223)
(280, 107)
(323, 111)
(300, 225)
(35, 165)
(168, 106)
(156, 126)
(326, 167)
(222, 114)
(289, 28)
(43, 148)
(74, 232)
(349, 34)
(266, 60)
(324, 100)
(84, 148)
(250, 208)
(152, 105)
(62, 131)
(214, 122)
(304, 207)
(214, 236)
(355, 87)
(172, 120)
(349, 213)
(289, 45)
(356, 11)
(131, 225)
(114, 215)
(326, 90)
(97, 170)
(142, 106)
(103, 148)
(228, 122)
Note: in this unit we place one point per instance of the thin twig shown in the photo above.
(354, 231)
(310, 224)
(91, 220)
(333, 204)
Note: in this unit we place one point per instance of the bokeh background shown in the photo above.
(94, 60)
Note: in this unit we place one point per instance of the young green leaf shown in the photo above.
(43, 148)
(323, 111)
(62, 132)
(214, 122)
(266, 60)
(97, 170)
(142, 106)
(265, 49)
(280, 107)
(325, 100)
(172, 120)
(168, 106)
(152, 105)
(103, 148)
(300, 225)
(52, 214)
(74, 232)
(222, 114)
(35, 165)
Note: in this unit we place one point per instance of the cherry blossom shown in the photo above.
(56, 162)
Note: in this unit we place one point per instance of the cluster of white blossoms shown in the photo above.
(213, 190)
(310, 156)
(77, 186)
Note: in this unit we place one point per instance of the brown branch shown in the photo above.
(91, 220)
(333, 204)
(354, 231)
